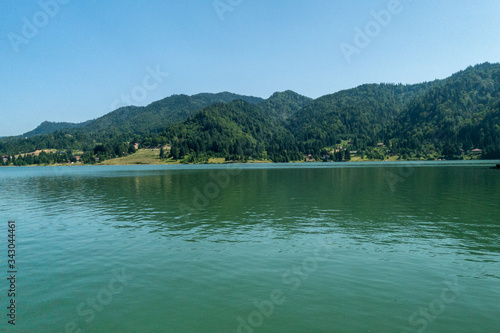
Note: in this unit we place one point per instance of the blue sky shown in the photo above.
(69, 60)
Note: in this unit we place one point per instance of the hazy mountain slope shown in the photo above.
(49, 127)
(159, 114)
(282, 105)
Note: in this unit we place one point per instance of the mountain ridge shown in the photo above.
(445, 118)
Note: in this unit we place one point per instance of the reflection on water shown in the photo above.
(458, 204)
(214, 238)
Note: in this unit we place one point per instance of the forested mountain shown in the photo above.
(235, 131)
(362, 114)
(282, 105)
(157, 115)
(439, 119)
(461, 112)
(48, 127)
(125, 124)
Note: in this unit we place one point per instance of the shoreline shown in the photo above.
(492, 162)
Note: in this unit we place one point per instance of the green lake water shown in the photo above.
(353, 247)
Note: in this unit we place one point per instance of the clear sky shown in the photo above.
(70, 60)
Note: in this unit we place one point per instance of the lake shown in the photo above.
(320, 247)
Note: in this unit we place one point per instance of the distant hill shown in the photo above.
(283, 105)
(157, 115)
(147, 119)
(48, 127)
